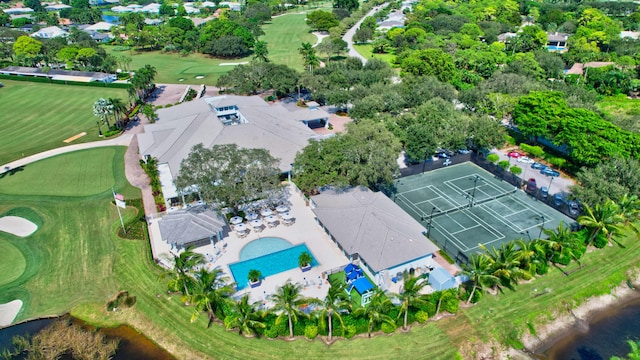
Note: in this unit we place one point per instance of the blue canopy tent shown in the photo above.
(364, 287)
(349, 268)
(355, 274)
(440, 279)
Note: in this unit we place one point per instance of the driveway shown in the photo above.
(558, 184)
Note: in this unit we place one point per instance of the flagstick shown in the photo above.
(118, 208)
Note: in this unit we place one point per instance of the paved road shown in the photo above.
(348, 36)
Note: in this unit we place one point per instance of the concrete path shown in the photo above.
(348, 36)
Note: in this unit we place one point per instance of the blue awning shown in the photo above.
(354, 275)
(349, 268)
(363, 285)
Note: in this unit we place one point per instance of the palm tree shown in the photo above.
(410, 295)
(505, 265)
(560, 242)
(530, 254)
(246, 317)
(629, 208)
(602, 219)
(183, 263)
(102, 109)
(119, 109)
(210, 290)
(376, 311)
(260, 51)
(479, 273)
(333, 303)
(288, 299)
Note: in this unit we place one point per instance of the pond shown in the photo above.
(132, 345)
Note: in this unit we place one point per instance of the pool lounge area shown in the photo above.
(271, 263)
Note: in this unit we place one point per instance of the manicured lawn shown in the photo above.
(175, 69)
(12, 269)
(284, 36)
(69, 260)
(38, 117)
(366, 50)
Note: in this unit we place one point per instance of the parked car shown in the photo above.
(525, 160)
(464, 151)
(559, 199)
(442, 155)
(538, 166)
(549, 172)
(574, 207)
(514, 154)
(531, 185)
(544, 192)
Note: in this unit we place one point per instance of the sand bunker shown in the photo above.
(74, 137)
(9, 311)
(17, 226)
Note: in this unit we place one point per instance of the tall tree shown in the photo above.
(119, 109)
(228, 175)
(478, 270)
(27, 49)
(103, 109)
(376, 311)
(411, 295)
(246, 317)
(604, 219)
(182, 264)
(260, 51)
(287, 301)
(333, 304)
(211, 289)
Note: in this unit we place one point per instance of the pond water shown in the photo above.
(605, 337)
(132, 345)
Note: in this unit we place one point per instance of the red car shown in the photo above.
(514, 154)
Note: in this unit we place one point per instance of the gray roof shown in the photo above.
(185, 226)
(555, 37)
(181, 127)
(310, 114)
(372, 225)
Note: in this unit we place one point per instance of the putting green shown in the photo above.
(13, 264)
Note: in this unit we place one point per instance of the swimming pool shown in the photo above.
(269, 264)
(556, 48)
(263, 246)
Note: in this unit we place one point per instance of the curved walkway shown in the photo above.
(348, 36)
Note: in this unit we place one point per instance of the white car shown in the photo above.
(525, 159)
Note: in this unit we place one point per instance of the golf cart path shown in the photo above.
(348, 36)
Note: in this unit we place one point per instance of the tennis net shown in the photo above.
(465, 206)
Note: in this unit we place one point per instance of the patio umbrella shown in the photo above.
(256, 223)
(241, 227)
(252, 216)
(271, 219)
(282, 209)
(266, 212)
(287, 216)
(236, 220)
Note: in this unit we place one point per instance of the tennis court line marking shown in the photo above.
(412, 190)
(488, 227)
(410, 204)
(452, 238)
(480, 176)
(444, 195)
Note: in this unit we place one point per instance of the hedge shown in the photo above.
(62, 82)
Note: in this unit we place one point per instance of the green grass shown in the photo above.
(11, 270)
(284, 35)
(38, 117)
(366, 50)
(70, 259)
(623, 111)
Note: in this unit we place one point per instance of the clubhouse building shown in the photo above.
(247, 121)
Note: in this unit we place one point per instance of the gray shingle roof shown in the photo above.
(181, 127)
(372, 225)
(193, 224)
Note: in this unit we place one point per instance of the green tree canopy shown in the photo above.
(430, 62)
(321, 20)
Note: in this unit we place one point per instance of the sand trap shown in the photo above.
(74, 137)
(233, 64)
(17, 226)
(320, 36)
(9, 311)
(199, 77)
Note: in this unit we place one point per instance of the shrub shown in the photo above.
(311, 331)
(493, 158)
(130, 300)
(515, 170)
(561, 259)
(111, 305)
(600, 242)
(228, 320)
(535, 151)
(271, 333)
(556, 161)
(449, 302)
(504, 164)
(422, 316)
(351, 331)
(542, 268)
(362, 325)
(510, 140)
(388, 328)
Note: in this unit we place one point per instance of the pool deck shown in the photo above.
(304, 230)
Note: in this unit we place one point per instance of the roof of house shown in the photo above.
(440, 279)
(50, 32)
(373, 226)
(181, 127)
(56, 7)
(185, 226)
(630, 34)
(506, 36)
(555, 37)
(101, 26)
(578, 68)
(308, 114)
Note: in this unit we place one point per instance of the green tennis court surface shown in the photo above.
(463, 206)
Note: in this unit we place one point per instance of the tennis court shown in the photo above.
(463, 206)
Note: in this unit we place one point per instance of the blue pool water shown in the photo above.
(263, 246)
(269, 264)
(555, 48)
